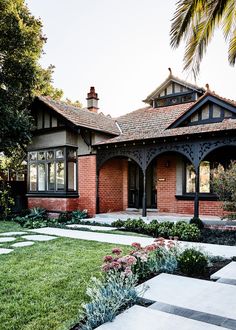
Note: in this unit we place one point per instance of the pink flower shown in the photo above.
(136, 245)
(130, 260)
(117, 251)
(151, 247)
(106, 267)
(108, 259)
(115, 265)
(128, 271)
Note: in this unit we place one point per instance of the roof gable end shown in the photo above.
(208, 109)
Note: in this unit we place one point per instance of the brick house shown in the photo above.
(160, 157)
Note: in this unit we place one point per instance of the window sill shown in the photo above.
(202, 197)
(52, 194)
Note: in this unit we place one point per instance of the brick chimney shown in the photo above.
(92, 100)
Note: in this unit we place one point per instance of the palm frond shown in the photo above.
(232, 48)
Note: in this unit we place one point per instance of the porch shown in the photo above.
(109, 217)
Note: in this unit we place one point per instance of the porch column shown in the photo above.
(97, 191)
(196, 198)
(144, 211)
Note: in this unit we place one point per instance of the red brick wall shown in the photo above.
(87, 183)
(86, 186)
(54, 204)
(113, 186)
(166, 191)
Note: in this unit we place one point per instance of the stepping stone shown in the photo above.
(40, 238)
(7, 239)
(21, 244)
(13, 233)
(197, 295)
(228, 272)
(103, 228)
(5, 251)
(141, 318)
(226, 281)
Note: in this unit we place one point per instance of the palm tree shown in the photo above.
(195, 22)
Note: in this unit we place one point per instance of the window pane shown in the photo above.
(51, 180)
(60, 181)
(72, 176)
(194, 117)
(205, 113)
(60, 153)
(50, 154)
(41, 155)
(216, 111)
(190, 178)
(32, 156)
(41, 174)
(33, 177)
(72, 154)
(205, 177)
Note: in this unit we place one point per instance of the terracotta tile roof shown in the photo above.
(83, 117)
(150, 123)
(147, 122)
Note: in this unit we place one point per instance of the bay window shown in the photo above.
(53, 171)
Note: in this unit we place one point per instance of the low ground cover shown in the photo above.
(44, 286)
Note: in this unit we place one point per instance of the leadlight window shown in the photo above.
(204, 178)
(53, 170)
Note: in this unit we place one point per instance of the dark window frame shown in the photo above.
(66, 160)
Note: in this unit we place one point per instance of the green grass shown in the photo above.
(10, 226)
(43, 287)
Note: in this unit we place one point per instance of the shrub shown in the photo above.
(6, 201)
(118, 223)
(224, 183)
(65, 217)
(192, 262)
(136, 225)
(197, 222)
(78, 215)
(108, 298)
(165, 229)
(143, 261)
(36, 218)
(190, 233)
(152, 228)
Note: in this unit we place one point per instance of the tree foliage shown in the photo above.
(224, 184)
(21, 76)
(195, 22)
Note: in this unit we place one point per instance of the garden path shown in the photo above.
(213, 249)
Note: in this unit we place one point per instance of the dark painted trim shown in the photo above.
(202, 197)
(198, 105)
(51, 195)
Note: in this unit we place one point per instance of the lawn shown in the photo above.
(42, 287)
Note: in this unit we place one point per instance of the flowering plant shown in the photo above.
(143, 261)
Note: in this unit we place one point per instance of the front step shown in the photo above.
(141, 318)
(203, 296)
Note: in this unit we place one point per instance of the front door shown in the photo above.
(135, 185)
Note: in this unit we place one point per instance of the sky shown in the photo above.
(122, 47)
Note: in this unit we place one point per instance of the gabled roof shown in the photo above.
(82, 117)
(170, 79)
(154, 123)
(207, 97)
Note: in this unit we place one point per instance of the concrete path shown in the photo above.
(213, 249)
(103, 228)
(141, 318)
(228, 272)
(214, 298)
